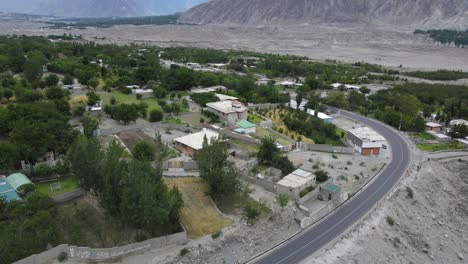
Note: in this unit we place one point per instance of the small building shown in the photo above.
(145, 93)
(290, 84)
(366, 140)
(431, 126)
(230, 112)
(7, 192)
(95, 108)
(17, 180)
(209, 89)
(295, 182)
(330, 192)
(326, 118)
(245, 127)
(190, 144)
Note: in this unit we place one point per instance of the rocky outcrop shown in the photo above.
(422, 13)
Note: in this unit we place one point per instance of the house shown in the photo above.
(366, 141)
(330, 192)
(190, 144)
(326, 118)
(17, 180)
(145, 93)
(245, 127)
(431, 126)
(295, 182)
(230, 112)
(7, 192)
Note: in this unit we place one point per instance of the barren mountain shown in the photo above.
(97, 8)
(421, 13)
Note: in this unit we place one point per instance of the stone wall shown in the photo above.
(87, 254)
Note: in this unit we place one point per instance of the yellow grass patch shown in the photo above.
(198, 216)
(76, 100)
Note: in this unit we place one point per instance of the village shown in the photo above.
(327, 170)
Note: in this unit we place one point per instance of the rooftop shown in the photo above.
(7, 191)
(331, 188)
(458, 122)
(245, 124)
(366, 134)
(17, 180)
(223, 97)
(297, 178)
(227, 107)
(209, 89)
(319, 115)
(195, 141)
(432, 124)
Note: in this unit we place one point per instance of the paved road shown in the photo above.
(318, 236)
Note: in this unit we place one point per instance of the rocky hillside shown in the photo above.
(422, 13)
(97, 8)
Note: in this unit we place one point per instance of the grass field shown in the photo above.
(67, 185)
(254, 119)
(423, 135)
(198, 216)
(274, 115)
(441, 146)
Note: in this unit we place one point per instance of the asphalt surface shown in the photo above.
(317, 236)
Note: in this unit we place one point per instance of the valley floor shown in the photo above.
(350, 43)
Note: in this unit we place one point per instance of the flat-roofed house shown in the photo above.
(230, 111)
(366, 140)
(295, 182)
(190, 144)
(431, 126)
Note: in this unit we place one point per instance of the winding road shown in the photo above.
(309, 241)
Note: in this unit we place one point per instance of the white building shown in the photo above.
(458, 122)
(209, 89)
(295, 182)
(326, 118)
(145, 93)
(192, 143)
(229, 111)
(366, 141)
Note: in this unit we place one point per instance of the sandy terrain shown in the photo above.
(348, 43)
(429, 228)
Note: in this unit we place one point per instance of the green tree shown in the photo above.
(267, 150)
(67, 79)
(8, 155)
(282, 200)
(156, 115)
(144, 151)
(51, 80)
(90, 124)
(93, 98)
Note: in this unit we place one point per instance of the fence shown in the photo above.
(103, 254)
(314, 216)
(264, 106)
(327, 148)
(240, 137)
(267, 185)
(65, 197)
(137, 127)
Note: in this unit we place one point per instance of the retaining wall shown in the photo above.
(65, 197)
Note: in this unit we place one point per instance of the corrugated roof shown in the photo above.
(245, 124)
(7, 191)
(17, 180)
(195, 141)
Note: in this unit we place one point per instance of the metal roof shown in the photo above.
(195, 141)
(331, 188)
(245, 124)
(17, 180)
(7, 191)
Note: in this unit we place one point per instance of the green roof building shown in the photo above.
(16, 180)
(246, 127)
(7, 192)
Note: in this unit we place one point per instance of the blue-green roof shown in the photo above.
(245, 124)
(331, 188)
(17, 180)
(7, 191)
(240, 130)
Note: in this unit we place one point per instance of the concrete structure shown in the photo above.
(17, 180)
(230, 112)
(7, 191)
(190, 144)
(458, 122)
(366, 140)
(209, 89)
(223, 97)
(330, 192)
(145, 93)
(295, 182)
(431, 126)
(326, 118)
(245, 127)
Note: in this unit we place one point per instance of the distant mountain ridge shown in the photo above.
(425, 13)
(97, 8)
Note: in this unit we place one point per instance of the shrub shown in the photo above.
(62, 256)
(334, 156)
(184, 251)
(322, 176)
(282, 199)
(306, 191)
(113, 101)
(217, 234)
(139, 96)
(156, 115)
(349, 163)
(390, 221)
(140, 236)
(280, 130)
(410, 192)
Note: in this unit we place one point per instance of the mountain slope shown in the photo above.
(444, 13)
(97, 8)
